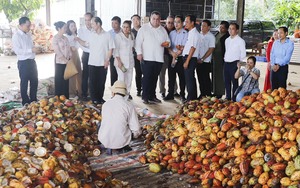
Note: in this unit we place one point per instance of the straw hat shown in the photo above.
(119, 87)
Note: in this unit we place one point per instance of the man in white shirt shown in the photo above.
(119, 120)
(207, 46)
(101, 45)
(151, 40)
(25, 50)
(235, 51)
(83, 34)
(116, 28)
(190, 54)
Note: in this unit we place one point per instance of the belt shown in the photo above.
(206, 62)
(232, 61)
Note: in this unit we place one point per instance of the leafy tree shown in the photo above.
(286, 12)
(14, 9)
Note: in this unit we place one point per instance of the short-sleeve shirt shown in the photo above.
(192, 41)
(99, 45)
(250, 82)
(206, 41)
(178, 38)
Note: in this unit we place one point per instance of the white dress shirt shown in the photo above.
(119, 120)
(148, 42)
(124, 49)
(192, 41)
(99, 45)
(22, 45)
(206, 41)
(235, 49)
(83, 34)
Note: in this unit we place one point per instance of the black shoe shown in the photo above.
(138, 94)
(155, 100)
(102, 101)
(176, 95)
(168, 97)
(145, 101)
(163, 95)
(130, 97)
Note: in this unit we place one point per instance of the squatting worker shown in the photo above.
(235, 51)
(25, 50)
(190, 54)
(151, 40)
(83, 34)
(281, 54)
(119, 120)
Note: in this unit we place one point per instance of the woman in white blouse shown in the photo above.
(75, 81)
(123, 53)
(63, 54)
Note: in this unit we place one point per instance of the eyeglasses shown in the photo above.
(170, 23)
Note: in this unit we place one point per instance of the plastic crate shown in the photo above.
(261, 58)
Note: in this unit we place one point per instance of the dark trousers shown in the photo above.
(151, 70)
(61, 85)
(97, 82)
(138, 74)
(85, 73)
(28, 73)
(278, 79)
(172, 77)
(113, 71)
(190, 79)
(230, 82)
(204, 80)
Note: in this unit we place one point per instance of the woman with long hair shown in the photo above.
(75, 81)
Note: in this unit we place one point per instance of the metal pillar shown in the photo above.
(240, 15)
(90, 6)
(48, 13)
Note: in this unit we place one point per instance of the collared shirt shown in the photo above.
(250, 83)
(83, 34)
(22, 45)
(149, 40)
(178, 38)
(62, 49)
(123, 49)
(206, 41)
(281, 53)
(113, 33)
(192, 41)
(119, 120)
(235, 49)
(99, 45)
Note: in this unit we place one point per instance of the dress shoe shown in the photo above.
(138, 94)
(176, 95)
(163, 95)
(168, 97)
(102, 101)
(145, 101)
(130, 97)
(155, 100)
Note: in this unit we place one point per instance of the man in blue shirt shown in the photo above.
(178, 39)
(281, 54)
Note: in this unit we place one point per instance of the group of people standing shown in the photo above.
(178, 48)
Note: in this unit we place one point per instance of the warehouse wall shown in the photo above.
(182, 7)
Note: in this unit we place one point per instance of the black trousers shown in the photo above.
(61, 85)
(113, 71)
(172, 77)
(231, 83)
(85, 73)
(97, 82)
(138, 74)
(204, 80)
(278, 79)
(28, 73)
(151, 70)
(190, 79)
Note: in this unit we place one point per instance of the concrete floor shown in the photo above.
(45, 62)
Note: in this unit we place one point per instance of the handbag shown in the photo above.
(70, 70)
(238, 89)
